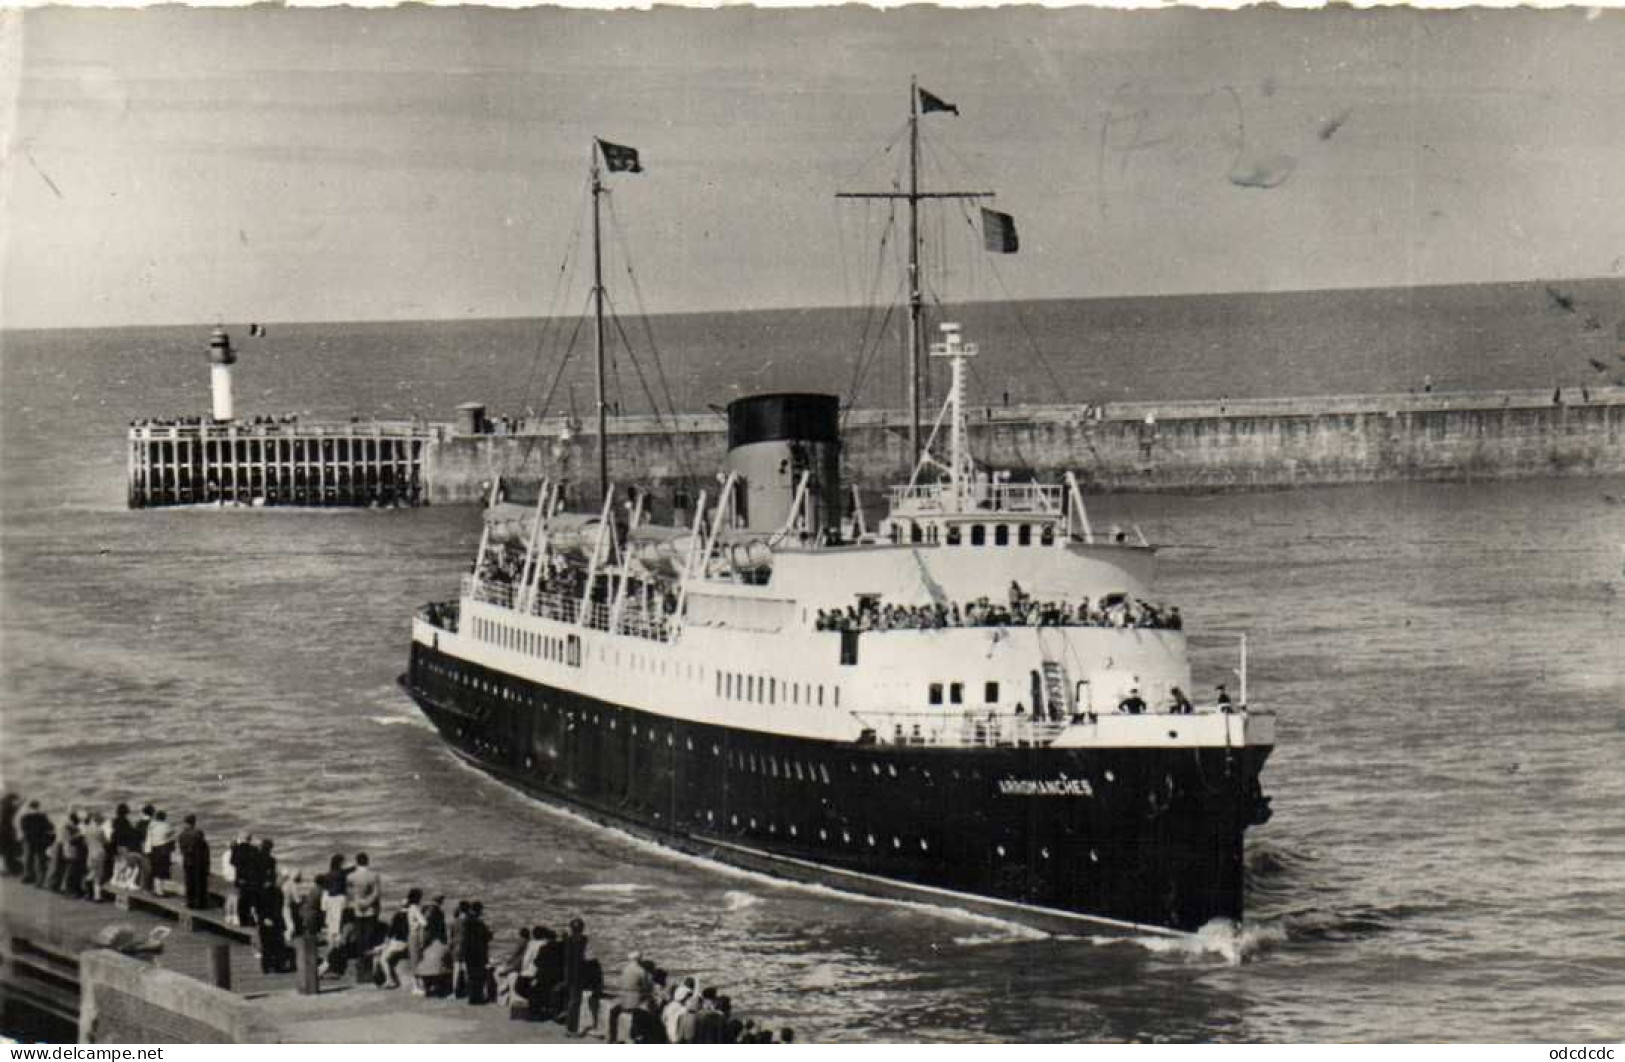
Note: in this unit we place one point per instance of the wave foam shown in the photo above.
(1232, 942)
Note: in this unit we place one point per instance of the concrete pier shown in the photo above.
(1246, 444)
(206, 462)
(58, 985)
(1122, 446)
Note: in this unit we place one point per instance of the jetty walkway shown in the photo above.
(53, 968)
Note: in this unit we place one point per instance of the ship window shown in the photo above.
(719, 683)
(990, 692)
(953, 534)
(1047, 535)
(1024, 534)
(1001, 535)
(823, 772)
(914, 533)
(772, 691)
(837, 696)
(820, 695)
(978, 535)
(936, 693)
(956, 693)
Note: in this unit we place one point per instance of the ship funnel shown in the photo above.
(772, 441)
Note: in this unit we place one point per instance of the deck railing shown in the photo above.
(634, 621)
(970, 730)
(983, 497)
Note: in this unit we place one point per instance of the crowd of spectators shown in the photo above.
(259, 420)
(1021, 610)
(435, 950)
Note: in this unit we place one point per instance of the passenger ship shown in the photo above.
(974, 704)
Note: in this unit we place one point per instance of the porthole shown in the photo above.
(923, 846)
(1093, 858)
(709, 817)
(1110, 777)
(753, 824)
(896, 842)
(1000, 850)
(871, 840)
(734, 820)
(823, 835)
(847, 837)
(875, 767)
(1044, 852)
(892, 769)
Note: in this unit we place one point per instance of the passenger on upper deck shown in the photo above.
(1132, 704)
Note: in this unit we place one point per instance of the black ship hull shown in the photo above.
(1122, 839)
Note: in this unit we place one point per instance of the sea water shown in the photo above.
(1447, 855)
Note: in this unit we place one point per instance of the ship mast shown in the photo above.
(916, 300)
(598, 326)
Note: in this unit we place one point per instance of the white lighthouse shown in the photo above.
(221, 359)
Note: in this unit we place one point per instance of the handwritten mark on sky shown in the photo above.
(29, 155)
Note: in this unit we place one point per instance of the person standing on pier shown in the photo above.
(160, 851)
(11, 843)
(194, 849)
(477, 953)
(140, 848)
(335, 896)
(417, 929)
(244, 856)
(367, 897)
(35, 827)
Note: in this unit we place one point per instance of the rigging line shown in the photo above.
(624, 243)
(561, 288)
(1015, 437)
(667, 433)
(648, 327)
(885, 148)
(558, 376)
(868, 362)
(860, 364)
(1021, 320)
(870, 301)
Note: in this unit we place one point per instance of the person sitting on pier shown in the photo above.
(1132, 704)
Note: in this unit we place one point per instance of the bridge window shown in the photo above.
(956, 693)
(978, 535)
(914, 533)
(772, 691)
(990, 693)
(935, 696)
(1047, 536)
(1001, 535)
(1024, 534)
(953, 534)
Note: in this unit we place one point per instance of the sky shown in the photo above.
(176, 165)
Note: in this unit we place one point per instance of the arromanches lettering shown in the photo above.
(1045, 787)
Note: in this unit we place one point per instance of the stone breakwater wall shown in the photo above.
(1155, 446)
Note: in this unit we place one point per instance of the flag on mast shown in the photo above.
(930, 102)
(999, 232)
(619, 158)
